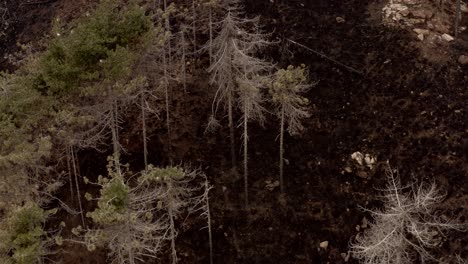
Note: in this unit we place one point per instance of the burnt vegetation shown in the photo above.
(206, 131)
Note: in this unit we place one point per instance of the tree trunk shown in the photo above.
(231, 130)
(210, 25)
(457, 18)
(70, 179)
(115, 136)
(246, 170)
(281, 161)
(143, 121)
(194, 27)
(184, 71)
(208, 216)
(131, 256)
(172, 226)
(78, 193)
(168, 28)
(166, 94)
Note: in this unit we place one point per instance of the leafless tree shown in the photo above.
(233, 59)
(406, 228)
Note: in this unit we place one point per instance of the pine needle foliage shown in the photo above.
(23, 238)
(94, 49)
(134, 218)
(290, 106)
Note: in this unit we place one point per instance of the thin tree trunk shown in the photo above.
(194, 27)
(230, 106)
(457, 18)
(78, 193)
(70, 179)
(184, 71)
(115, 136)
(210, 25)
(172, 227)
(281, 161)
(131, 256)
(168, 28)
(231, 130)
(166, 93)
(208, 216)
(246, 170)
(143, 121)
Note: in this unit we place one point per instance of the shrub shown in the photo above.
(23, 238)
(88, 52)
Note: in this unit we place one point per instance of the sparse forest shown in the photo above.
(229, 131)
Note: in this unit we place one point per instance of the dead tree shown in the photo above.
(233, 50)
(126, 219)
(407, 226)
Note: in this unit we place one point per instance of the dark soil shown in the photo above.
(400, 107)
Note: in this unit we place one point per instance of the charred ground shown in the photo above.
(400, 107)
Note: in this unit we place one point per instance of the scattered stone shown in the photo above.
(421, 31)
(358, 228)
(443, 29)
(340, 20)
(269, 185)
(463, 59)
(415, 21)
(405, 12)
(348, 169)
(370, 161)
(421, 37)
(447, 37)
(362, 174)
(345, 256)
(419, 13)
(324, 245)
(358, 157)
(411, 2)
(428, 13)
(464, 8)
(364, 223)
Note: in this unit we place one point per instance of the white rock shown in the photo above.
(364, 223)
(463, 59)
(447, 37)
(358, 157)
(421, 31)
(340, 20)
(464, 8)
(324, 245)
(421, 37)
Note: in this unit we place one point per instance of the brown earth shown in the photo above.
(400, 107)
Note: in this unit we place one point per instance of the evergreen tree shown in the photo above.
(290, 106)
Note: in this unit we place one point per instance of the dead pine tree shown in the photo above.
(407, 227)
(179, 194)
(146, 109)
(181, 48)
(233, 51)
(290, 106)
(165, 59)
(126, 219)
(250, 99)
